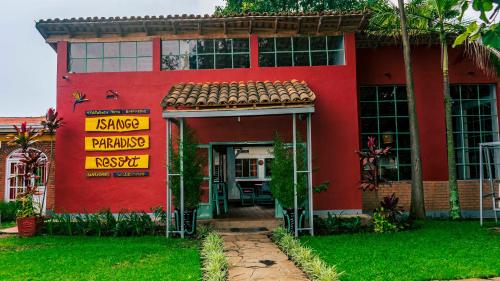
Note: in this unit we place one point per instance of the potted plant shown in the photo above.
(193, 176)
(26, 216)
(281, 183)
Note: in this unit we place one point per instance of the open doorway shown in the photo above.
(240, 181)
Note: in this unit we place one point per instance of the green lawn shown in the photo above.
(93, 258)
(438, 250)
(7, 224)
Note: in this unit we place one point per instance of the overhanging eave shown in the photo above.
(236, 112)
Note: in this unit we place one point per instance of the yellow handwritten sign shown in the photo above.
(123, 123)
(117, 162)
(112, 143)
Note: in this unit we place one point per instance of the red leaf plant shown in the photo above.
(370, 176)
(24, 137)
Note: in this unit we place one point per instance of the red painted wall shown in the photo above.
(385, 66)
(334, 129)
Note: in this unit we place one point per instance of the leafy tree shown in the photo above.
(281, 183)
(482, 37)
(192, 169)
(276, 6)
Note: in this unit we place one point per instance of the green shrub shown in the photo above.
(104, 223)
(336, 224)
(381, 222)
(215, 264)
(304, 258)
(8, 211)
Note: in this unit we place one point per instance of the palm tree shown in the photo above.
(431, 18)
(390, 20)
(417, 205)
(446, 11)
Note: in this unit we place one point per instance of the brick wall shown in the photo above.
(435, 194)
(44, 146)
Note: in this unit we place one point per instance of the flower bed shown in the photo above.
(215, 264)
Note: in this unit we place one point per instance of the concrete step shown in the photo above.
(242, 226)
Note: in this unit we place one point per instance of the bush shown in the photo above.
(336, 224)
(304, 258)
(104, 223)
(389, 217)
(215, 265)
(8, 211)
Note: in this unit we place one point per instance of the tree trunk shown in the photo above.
(49, 169)
(417, 205)
(455, 212)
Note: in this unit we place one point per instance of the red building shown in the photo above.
(156, 66)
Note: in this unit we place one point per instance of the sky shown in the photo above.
(28, 64)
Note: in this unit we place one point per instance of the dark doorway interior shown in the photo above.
(240, 182)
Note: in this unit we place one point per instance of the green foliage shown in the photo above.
(413, 255)
(192, 170)
(304, 257)
(281, 183)
(337, 224)
(215, 264)
(290, 6)
(99, 258)
(26, 208)
(381, 222)
(8, 211)
(105, 223)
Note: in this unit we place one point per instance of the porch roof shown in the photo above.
(238, 99)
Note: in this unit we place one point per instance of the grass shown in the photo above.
(438, 250)
(94, 258)
(7, 224)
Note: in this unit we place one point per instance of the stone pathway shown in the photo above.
(253, 256)
(10, 230)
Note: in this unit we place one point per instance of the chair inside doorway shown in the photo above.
(240, 182)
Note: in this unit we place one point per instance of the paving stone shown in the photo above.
(255, 257)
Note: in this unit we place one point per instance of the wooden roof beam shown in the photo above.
(174, 26)
(200, 31)
(339, 24)
(225, 27)
(145, 27)
(276, 25)
(250, 26)
(96, 30)
(120, 29)
(320, 23)
(362, 22)
(299, 21)
(68, 30)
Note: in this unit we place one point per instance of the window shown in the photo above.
(111, 57)
(474, 121)
(384, 115)
(246, 168)
(301, 51)
(15, 176)
(267, 167)
(205, 54)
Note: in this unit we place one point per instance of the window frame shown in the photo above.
(309, 51)
(463, 165)
(396, 149)
(249, 168)
(103, 57)
(214, 53)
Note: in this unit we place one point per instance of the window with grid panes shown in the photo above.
(301, 51)
(474, 121)
(384, 115)
(205, 54)
(246, 168)
(110, 57)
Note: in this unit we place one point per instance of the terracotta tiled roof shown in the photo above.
(238, 94)
(19, 120)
